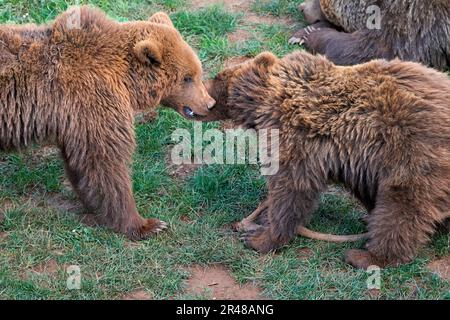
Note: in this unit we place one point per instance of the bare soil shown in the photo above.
(441, 267)
(244, 7)
(179, 172)
(216, 282)
(137, 295)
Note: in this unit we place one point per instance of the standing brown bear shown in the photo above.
(352, 32)
(380, 128)
(76, 83)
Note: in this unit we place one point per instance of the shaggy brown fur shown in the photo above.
(381, 128)
(77, 86)
(412, 30)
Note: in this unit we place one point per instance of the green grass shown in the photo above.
(40, 11)
(199, 209)
(278, 7)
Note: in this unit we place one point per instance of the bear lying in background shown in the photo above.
(380, 128)
(75, 83)
(352, 32)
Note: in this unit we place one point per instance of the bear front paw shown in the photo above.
(260, 240)
(301, 37)
(147, 229)
(363, 259)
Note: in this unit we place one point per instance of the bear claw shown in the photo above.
(162, 226)
(301, 37)
(149, 228)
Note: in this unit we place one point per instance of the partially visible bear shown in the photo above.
(380, 128)
(352, 32)
(76, 83)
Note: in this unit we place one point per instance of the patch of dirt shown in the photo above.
(441, 267)
(253, 18)
(186, 219)
(374, 293)
(48, 267)
(239, 36)
(138, 295)
(4, 206)
(217, 283)
(304, 253)
(243, 6)
(63, 204)
(233, 5)
(180, 172)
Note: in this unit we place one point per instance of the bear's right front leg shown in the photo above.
(340, 47)
(104, 187)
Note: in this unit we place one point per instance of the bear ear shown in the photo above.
(148, 52)
(266, 59)
(161, 18)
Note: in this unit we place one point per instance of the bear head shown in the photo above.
(312, 11)
(219, 87)
(163, 54)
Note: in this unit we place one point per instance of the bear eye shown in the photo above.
(188, 79)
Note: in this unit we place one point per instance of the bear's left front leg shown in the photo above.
(288, 207)
(102, 180)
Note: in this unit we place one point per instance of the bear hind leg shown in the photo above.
(398, 227)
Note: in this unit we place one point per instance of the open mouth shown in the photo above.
(191, 114)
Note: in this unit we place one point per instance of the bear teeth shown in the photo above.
(188, 112)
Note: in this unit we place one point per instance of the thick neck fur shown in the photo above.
(147, 84)
(257, 94)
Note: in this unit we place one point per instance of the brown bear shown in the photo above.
(380, 128)
(352, 32)
(76, 83)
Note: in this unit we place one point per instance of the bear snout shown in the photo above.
(302, 7)
(211, 103)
